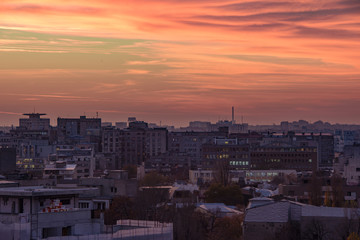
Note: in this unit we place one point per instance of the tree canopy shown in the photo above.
(120, 208)
(229, 195)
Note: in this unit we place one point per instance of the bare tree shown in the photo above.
(352, 225)
(337, 191)
(315, 230)
(229, 195)
(315, 190)
(353, 236)
(148, 203)
(120, 208)
(222, 172)
(190, 225)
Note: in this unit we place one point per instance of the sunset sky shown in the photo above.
(181, 60)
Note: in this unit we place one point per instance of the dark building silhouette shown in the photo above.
(7, 160)
(34, 122)
(78, 129)
(133, 145)
(272, 157)
(236, 155)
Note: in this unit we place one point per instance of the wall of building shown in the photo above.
(262, 230)
(7, 159)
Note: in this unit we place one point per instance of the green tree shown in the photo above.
(229, 195)
(227, 228)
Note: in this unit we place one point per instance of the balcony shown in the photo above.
(67, 218)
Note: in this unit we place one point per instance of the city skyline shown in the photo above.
(225, 120)
(178, 61)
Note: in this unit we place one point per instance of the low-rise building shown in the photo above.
(228, 151)
(351, 160)
(206, 176)
(60, 170)
(116, 183)
(269, 219)
(284, 156)
(37, 212)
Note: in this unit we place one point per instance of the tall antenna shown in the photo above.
(233, 116)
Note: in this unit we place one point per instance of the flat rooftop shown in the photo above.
(7, 182)
(33, 191)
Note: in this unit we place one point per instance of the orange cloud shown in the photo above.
(273, 58)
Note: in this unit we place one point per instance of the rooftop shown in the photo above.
(34, 115)
(218, 208)
(41, 191)
(272, 212)
(68, 167)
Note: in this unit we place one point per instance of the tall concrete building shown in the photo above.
(111, 140)
(229, 151)
(34, 122)
(189, 144)
(324, 143)
(156, 141)
(141, 142)
(135, 144)
(284, 156)
(82, 127)
(34, 127)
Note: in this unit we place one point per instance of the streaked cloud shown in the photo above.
(10, 113)
(188, 59)
(137, 71)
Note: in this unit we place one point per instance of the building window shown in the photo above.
(65, 201)
(83, 205)
(5, 200)
(13, 207)
(101, 206)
